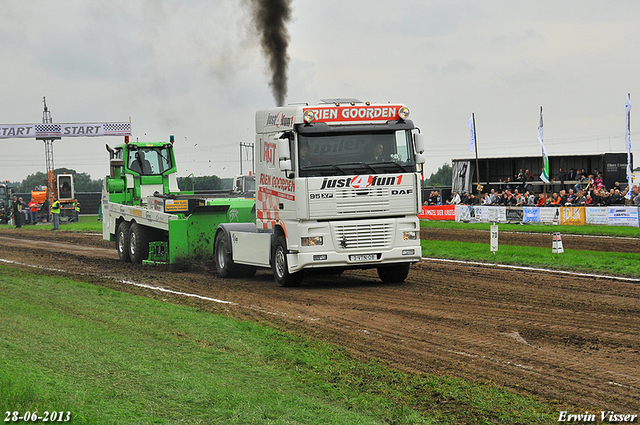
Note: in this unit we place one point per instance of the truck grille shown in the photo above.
(355, 236)
(356, 201)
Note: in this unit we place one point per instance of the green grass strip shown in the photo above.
(591, 230)
(87, 223)
(624, 264)
(113, 358)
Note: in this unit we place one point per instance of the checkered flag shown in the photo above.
(48, 130)
(117, 129)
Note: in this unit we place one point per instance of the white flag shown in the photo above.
(472, 143)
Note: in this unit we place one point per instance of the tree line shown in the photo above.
(82, 182)
(442, 177)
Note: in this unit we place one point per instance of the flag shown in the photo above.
(628, 140)
(545, 159)
(472, 143)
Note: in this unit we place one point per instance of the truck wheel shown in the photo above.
(122, 241)
(138, 243)
(395, 273)
(224, 263)
(280, 266)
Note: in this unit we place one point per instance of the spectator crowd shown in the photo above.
(588, 191)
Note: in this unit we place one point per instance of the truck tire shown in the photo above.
(280, 266)
(138, 243)
(122, 241)
(224, 263)
(395, 273)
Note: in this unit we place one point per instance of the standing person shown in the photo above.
(24, 210)
(33, 210)
(76, 207)
(45, 210)
(17, 216)
(55, 212)
(561, 177)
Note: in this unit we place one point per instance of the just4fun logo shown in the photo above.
(361, 182)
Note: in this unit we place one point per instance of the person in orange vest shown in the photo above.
(33, 210)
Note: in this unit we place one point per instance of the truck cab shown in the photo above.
(337, 187)
(139, 170)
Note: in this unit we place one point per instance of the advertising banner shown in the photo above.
(514, 215)
(549, 214)
(623, 216)
(531, 215)
(598, 215)
(572, 216)
(355, 113)
(463, 213)
(438, 212)
(487, 214)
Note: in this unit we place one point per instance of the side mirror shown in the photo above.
(421, 143)
(283, 149)
(421, 158)
(285, 165)
(283, 140)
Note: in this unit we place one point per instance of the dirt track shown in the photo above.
(574, 341)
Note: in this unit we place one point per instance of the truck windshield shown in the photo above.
(149, 161)
(355, 153)
(3, 192)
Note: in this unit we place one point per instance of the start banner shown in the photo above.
(438, 212)
(56, 131)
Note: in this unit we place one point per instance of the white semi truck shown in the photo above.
(337, 187)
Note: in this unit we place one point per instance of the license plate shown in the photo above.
(365, 257)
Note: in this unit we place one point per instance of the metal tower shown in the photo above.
(48, 154)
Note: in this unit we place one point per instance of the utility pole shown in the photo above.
(250, 146)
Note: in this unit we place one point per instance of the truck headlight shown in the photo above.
(403, 113)
(309, 116)
(312, 241)
(410, 235)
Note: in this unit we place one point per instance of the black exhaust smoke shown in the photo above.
(271, 17)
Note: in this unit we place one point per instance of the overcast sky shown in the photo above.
(194, 68)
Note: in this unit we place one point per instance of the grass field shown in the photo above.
(114, 358)
(87, 223)
(626, 264)
(622, 231)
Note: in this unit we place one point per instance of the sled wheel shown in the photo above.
(122, 241)
(138, 243)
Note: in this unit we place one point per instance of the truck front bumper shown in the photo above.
(356, 260)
